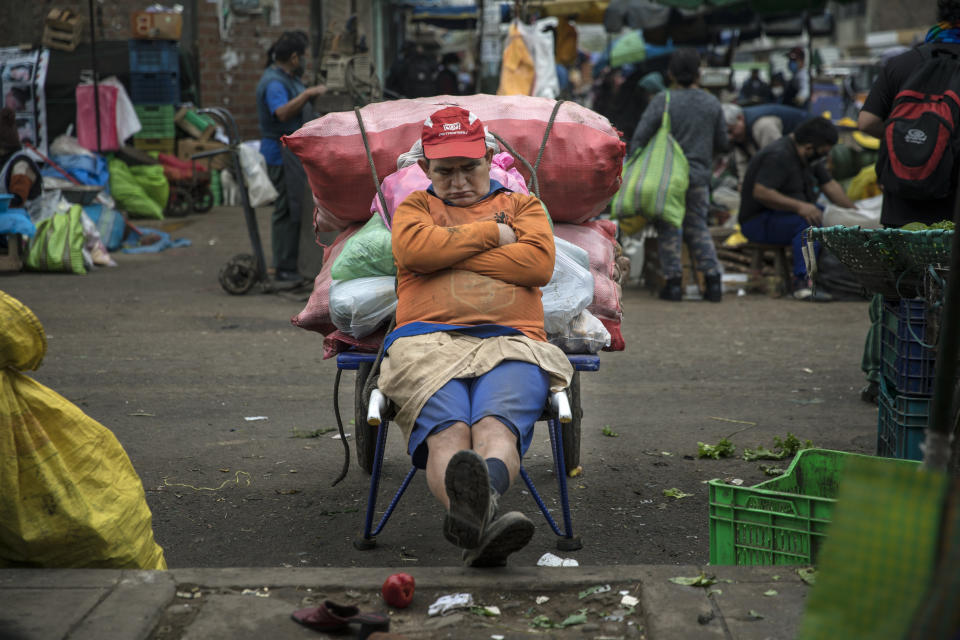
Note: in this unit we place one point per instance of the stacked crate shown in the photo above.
(908, 365)
(155, 91)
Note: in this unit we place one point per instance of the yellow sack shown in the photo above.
(517, 71)
(69, 496)
(864, 184)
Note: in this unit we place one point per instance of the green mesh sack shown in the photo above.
(153, 181)
(130, 194)
(655, 179)
(367, 253)
(58, 243)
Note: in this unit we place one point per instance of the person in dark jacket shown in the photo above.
(696, 123)
(282, 108)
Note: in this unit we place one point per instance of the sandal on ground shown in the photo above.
(331, 616)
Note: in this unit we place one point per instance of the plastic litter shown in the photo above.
(629, 601)
(255, 418)
(550, 560)
(450, 602)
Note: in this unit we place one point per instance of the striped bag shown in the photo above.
(655, 180)
(58, 243)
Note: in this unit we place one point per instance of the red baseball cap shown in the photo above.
(453, 133)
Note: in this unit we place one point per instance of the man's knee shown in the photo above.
(490, 428)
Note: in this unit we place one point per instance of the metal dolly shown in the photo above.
(563, 417)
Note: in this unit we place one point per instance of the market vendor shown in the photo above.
(780, 190)
(753, 128)
(19, 175)
(468, 363)
(282, 108)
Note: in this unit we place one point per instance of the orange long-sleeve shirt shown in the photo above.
(450, 269)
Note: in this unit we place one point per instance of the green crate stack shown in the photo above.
(782, 521)
(215, 188)
(158, 130)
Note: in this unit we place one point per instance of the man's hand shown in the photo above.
(317, 90)
(811, 213)
(507, 236)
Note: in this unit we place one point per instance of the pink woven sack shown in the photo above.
(579, 172)
(316, 315)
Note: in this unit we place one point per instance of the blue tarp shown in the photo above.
(17, 221)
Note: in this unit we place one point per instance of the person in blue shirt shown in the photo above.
(282, 108)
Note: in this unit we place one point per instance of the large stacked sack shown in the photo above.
(578, 174)
(354, 294)
(598, 239)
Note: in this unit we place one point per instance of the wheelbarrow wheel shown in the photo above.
(239, 275)
(202, 199)
(366, 435)
(570, 432)
(179, 203)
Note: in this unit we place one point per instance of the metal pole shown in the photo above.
(478, 61)
(937, 444)
(93, 65)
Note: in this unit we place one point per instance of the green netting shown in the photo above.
(891, 262)
(878, 560)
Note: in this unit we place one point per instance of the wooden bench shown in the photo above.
(782, 266)
(11, 260)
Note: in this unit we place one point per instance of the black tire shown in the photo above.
(239, 275)
(178, 204)
(366, 435)
(570, 431)
(202, 199)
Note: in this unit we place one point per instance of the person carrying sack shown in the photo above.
(691, 113)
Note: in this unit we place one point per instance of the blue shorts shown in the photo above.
(513, 392)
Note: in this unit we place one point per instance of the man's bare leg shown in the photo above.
(493, 439)
(441, 447)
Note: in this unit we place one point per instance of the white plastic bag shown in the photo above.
(231, 192)
(585, 334)
(358, 306)
(259, 187)
(570, 289)
(127, 121)
(866, 215)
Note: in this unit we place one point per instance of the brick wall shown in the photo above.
(229, 69)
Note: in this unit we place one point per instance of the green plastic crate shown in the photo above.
(782, 521)
(157, 121)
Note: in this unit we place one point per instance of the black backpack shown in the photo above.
(920, 137)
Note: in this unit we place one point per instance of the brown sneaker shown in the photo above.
(468, 488)
(505, 535)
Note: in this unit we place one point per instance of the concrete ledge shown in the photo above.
(541, 578)
(132, 608)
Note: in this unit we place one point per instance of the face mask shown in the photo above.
(815, 157)
(792, 65)
(298, 70)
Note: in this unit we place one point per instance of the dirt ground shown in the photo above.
(156, 351)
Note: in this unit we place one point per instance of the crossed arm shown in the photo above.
(522, 255)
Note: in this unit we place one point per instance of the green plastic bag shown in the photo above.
(58, 243)
(130, 194)
(655, 179)
(153, 181)
(367, 253)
